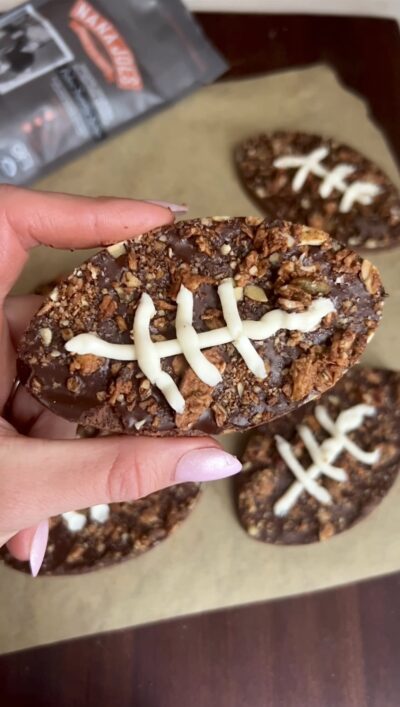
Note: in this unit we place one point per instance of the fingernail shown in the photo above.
(175, 208)
(206, 465)
(38, 547)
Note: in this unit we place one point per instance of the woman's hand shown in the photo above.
(44, 470)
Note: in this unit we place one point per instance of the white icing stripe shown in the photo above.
(230, 310)
(348, 421)
(148, 356)
(335, 180)
(323, 455)
(75, 521)
(359, 191)
(363, 192)
(306, 481)
(267, 326)
(148, 353)
(100, 513)
(252, 359)
(307, 164)
(320, 454)
(235, 325)
(189, 343)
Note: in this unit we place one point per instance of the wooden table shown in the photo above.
(335, 649)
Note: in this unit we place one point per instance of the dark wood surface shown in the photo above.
(365, 52)
(335, 649)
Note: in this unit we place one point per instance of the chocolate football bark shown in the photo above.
(319, 471)
(107, 534)
(324, 184)
(200, 327)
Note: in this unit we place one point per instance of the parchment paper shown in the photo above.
(184, 155)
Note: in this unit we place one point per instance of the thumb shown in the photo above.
(41, 478)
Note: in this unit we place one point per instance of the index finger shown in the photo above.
(29, 218)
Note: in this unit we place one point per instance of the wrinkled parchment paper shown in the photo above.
(185, 154)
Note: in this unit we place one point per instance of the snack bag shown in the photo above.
(73, 72)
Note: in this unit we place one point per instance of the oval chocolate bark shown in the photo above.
(280, 312)
(324, 184)
(106, 535)
(274, 508)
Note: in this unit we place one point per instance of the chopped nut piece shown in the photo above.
(370, 277)
(74, 384)
(131, 280)
(220, 413)
(225, 249)
(108, 306)
(290, 305)
(121, 323)
(45, 308)
(46, 335)
(303, 377)
(140, 424)
(86, 364)
(94, 271)
(261, 192)
(117, 249)
(312, 236)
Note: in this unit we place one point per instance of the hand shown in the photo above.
(44, 469)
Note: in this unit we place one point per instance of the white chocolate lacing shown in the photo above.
(359, 191)
(323, 455)
(148, 354)
(236, 329)
(76, 521)
(188, 340)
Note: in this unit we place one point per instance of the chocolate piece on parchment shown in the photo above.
(319, 471)
(279, 313)
(104, 535)
(324, 184)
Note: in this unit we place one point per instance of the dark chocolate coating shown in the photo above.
(373, 227)
(266, 476)
(102, 295)
(132, 529)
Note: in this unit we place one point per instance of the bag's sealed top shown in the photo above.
(72, 72)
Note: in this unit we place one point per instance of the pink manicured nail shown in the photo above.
(38, 547)
(175, 208)
(206, 465)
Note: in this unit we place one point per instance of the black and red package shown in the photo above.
(73, 72)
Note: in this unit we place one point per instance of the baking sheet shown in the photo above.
(185, 154)
(372, 8)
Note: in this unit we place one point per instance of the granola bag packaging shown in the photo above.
(73, 72)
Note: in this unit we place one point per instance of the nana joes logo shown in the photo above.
(105, 47)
